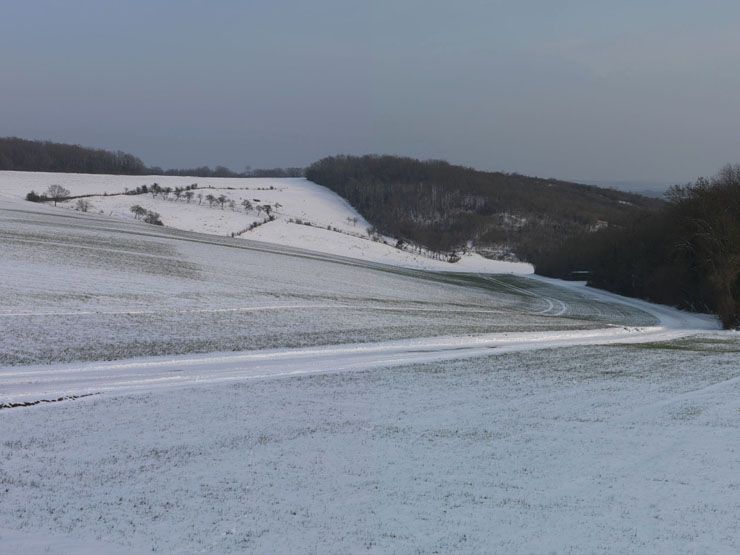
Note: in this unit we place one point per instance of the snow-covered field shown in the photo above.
(87, 287)
(165, 390)
(584, 449)
(335, 227)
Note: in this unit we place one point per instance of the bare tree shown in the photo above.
(138, 211)
(247, 205)
(222, 199)
(188, 196)
(211, 199)
(56, 193)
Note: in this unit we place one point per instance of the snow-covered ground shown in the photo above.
(197, 393)
(88, 287)
(335, 227)
(44, 383)
(621, 449)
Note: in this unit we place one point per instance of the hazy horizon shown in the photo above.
(640, 92)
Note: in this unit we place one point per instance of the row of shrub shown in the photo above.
(254, 225)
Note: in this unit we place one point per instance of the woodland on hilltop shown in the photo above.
(446, 207)
(46, 156)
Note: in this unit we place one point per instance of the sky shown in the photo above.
(644, 91)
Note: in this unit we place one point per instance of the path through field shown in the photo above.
(29, 384)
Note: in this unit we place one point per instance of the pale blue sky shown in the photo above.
(576, 89)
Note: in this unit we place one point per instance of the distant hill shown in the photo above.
(443, 207)
(46, 156)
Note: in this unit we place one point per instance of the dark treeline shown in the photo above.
(45, 156)
(442, 206)
(202, 171)
(221, 171)
(686, 255)
(274, 172)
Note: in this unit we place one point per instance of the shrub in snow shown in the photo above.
(83, 205)
(33, 197)
(152, 218)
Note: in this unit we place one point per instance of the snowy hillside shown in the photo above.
(167, 391)
(306, 215)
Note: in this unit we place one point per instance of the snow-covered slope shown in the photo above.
(473, 433)
(307, 215)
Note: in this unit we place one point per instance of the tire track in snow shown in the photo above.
(549, 301)
(34, 383)
(24, 384)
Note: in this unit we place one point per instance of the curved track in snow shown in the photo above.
(48, 382)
